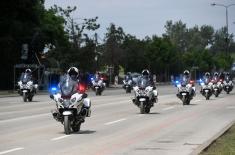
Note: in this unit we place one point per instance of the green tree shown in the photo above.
(19, 24)
(113, 51)
(133, 59)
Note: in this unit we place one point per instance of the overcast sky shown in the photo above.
(148, 17)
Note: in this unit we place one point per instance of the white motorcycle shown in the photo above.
(185, 92)
(71, 107)
(26, 88)
(206, 89)
(127, 85)
(98, 86)
(144, 96)
(217, 87)
(228, 85)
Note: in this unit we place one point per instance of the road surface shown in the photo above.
(116, 127)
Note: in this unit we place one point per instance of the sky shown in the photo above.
(143, 18)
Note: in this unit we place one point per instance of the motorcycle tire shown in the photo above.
(147, 110)
(184, 100)
(96, 92)
(24, 97)
(207, 96)
(30, 98)
(128, 90)
(67, 128)
(77, 127)
(142, 109)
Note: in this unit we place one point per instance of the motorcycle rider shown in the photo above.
(187, 81)
(27, 74)
(216, 76)
(146, 75)
(216, 80)
(127, 78)
(206, 79)
(73, 73)
(228, 78)
(98, 77)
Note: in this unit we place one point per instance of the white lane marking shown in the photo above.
(61, 137)
(24, 117)
(12, 150)
(172, 107)
(230, 107)
(120, 120)
(196, 101)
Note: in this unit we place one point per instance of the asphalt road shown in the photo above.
(115, 126)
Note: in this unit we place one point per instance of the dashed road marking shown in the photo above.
(11, 150)
(61, 137)
(196, 101)
(230, 107)
(172, 107)
(24, 118)
(113, 122)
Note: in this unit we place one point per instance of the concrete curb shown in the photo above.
(207, 143)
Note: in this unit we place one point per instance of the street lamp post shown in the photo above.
(226, 7)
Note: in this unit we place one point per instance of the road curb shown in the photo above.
(207, 143)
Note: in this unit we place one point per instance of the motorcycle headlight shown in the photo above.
(66, 103)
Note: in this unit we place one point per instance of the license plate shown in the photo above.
(184, 94)
(206, 90)
(25, 91)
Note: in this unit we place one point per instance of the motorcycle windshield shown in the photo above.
(227, 79)
(143, 83)
(67, 86)
(25, 78)
(206, 81)
(184, 82)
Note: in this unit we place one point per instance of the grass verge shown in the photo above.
(224, 145)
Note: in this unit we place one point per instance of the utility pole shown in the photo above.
(227, 35)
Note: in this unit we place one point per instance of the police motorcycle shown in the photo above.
(71, 107)
(26, 87)
(227, 84)
(127, 85)
(185, 91)
(97, 85)
(206, 88)
(217, 86)
(144, 96)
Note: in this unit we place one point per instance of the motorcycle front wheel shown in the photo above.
(207, 96)
(142, 109)
(67, 128)
(24, 97)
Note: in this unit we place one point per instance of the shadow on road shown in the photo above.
(85, 132)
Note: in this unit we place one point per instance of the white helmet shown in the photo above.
(145, 73)
(186, 72)
(73, 71)
(28, 71)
